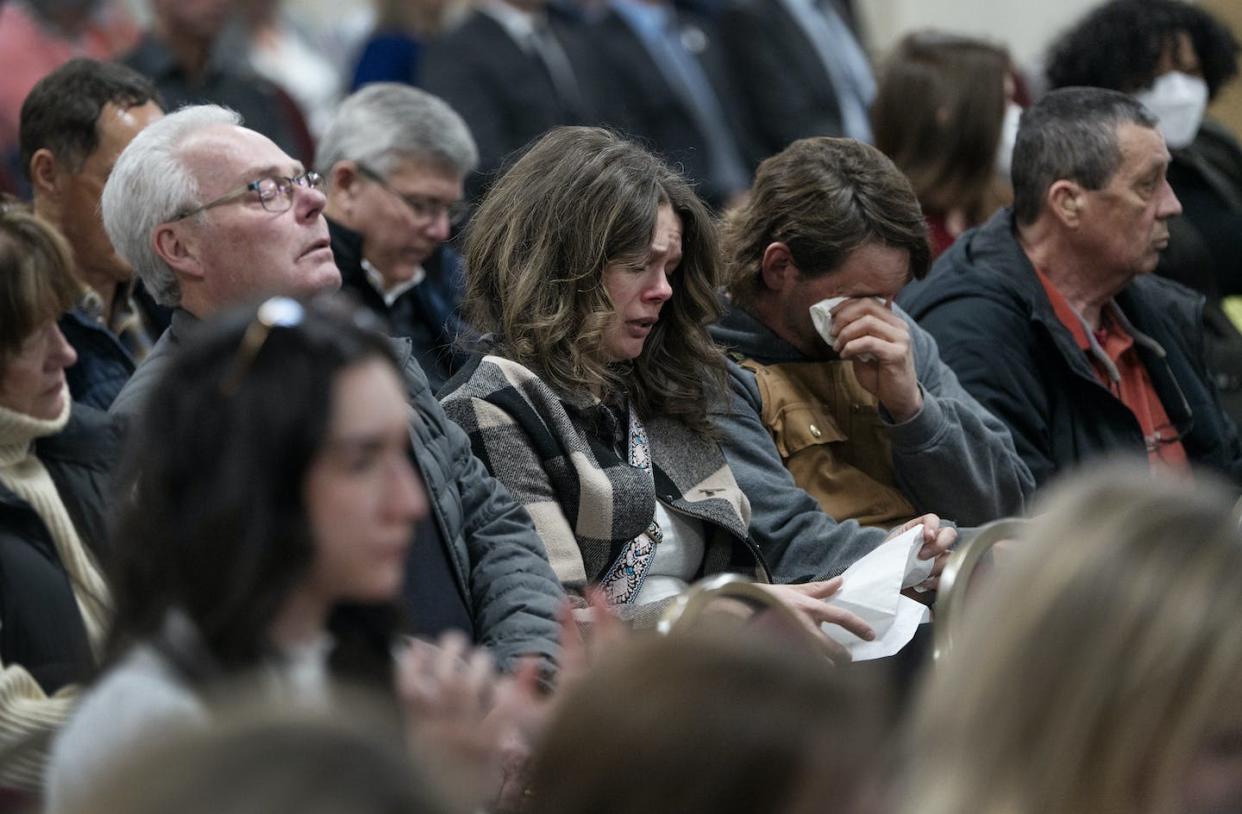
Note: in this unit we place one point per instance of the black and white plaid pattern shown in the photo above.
(561, 460)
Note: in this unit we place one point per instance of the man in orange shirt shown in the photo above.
(1049, 313)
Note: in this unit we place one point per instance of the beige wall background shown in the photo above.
(1023, 26)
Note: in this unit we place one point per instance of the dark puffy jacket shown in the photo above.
(997, 330)
(40, 625)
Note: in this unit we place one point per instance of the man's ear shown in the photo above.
(777, 267)
(177, 247)
(45, 172)
(1065, 200)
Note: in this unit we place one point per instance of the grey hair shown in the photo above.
(1070, 134)
(150, 185)
(387, 123)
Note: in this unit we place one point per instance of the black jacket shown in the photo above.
(40, 625)
(504, 94)
(628, 91)
(427, 314)
(997, 330)
(784, 85)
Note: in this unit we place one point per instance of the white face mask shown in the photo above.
(1178, 100)
(1008, 135)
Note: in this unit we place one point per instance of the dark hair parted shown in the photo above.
(580, 199)
(938, 113)
(1070, 134)
(36, 276)
(61, 112)
(1119, 46)
(214, 523)
(719, 723)
(823, 198)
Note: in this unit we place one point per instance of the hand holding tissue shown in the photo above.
(872, 589)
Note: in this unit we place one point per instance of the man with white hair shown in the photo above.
(395, 159)
(211, 215)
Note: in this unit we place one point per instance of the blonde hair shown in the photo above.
(536, 250)
(1092, 672)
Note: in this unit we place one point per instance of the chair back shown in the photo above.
(958, 575)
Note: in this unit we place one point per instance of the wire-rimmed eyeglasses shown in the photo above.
(275, 192)
(422, 207)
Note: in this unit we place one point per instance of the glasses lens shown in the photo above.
(275, 193)
(310, 180)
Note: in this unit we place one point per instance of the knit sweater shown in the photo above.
(27, 714)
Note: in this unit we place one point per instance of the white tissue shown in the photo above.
(871, 589)
(821, 317)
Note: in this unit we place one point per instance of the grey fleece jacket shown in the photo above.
(497, 557)
(953, 458)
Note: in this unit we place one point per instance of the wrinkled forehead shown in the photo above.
(222, 157)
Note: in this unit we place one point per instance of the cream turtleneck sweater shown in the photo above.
(25, 710)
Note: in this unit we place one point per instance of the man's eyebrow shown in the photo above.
(270, 169)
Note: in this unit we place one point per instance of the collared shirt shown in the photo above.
(125, 322)
(376, 278)
(1115, 360)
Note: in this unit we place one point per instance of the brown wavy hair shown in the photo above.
(823, 198)
(580, 199)
(937, 113)
(36, 275)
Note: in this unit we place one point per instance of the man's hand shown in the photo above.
(877, 341)
(937, 541)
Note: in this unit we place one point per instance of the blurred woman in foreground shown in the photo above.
(271, 501)
(1099, 673)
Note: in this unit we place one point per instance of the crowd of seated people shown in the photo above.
(470, 461)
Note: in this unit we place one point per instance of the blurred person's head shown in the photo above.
(1172, 55)
(194, 20)
(944, 112)
(74, 124)
(710, 724)
(269, 482)
(211, 214)
(1098, 672)
(36, 287)
(595, 265)
(826, 217)
(1089, 171)
(395, 158)
(260, 760)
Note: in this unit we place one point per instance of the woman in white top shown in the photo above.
(592, 267)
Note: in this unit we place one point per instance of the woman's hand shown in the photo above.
(807, 601)
(467, 722)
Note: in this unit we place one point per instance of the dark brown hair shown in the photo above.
(36, 276)
(938, 114)
(536, 250)
(726, 723)
(823, 198)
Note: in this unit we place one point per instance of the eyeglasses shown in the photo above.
(278, 312)
(423, 208)
(275, 192)
(288, 313)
